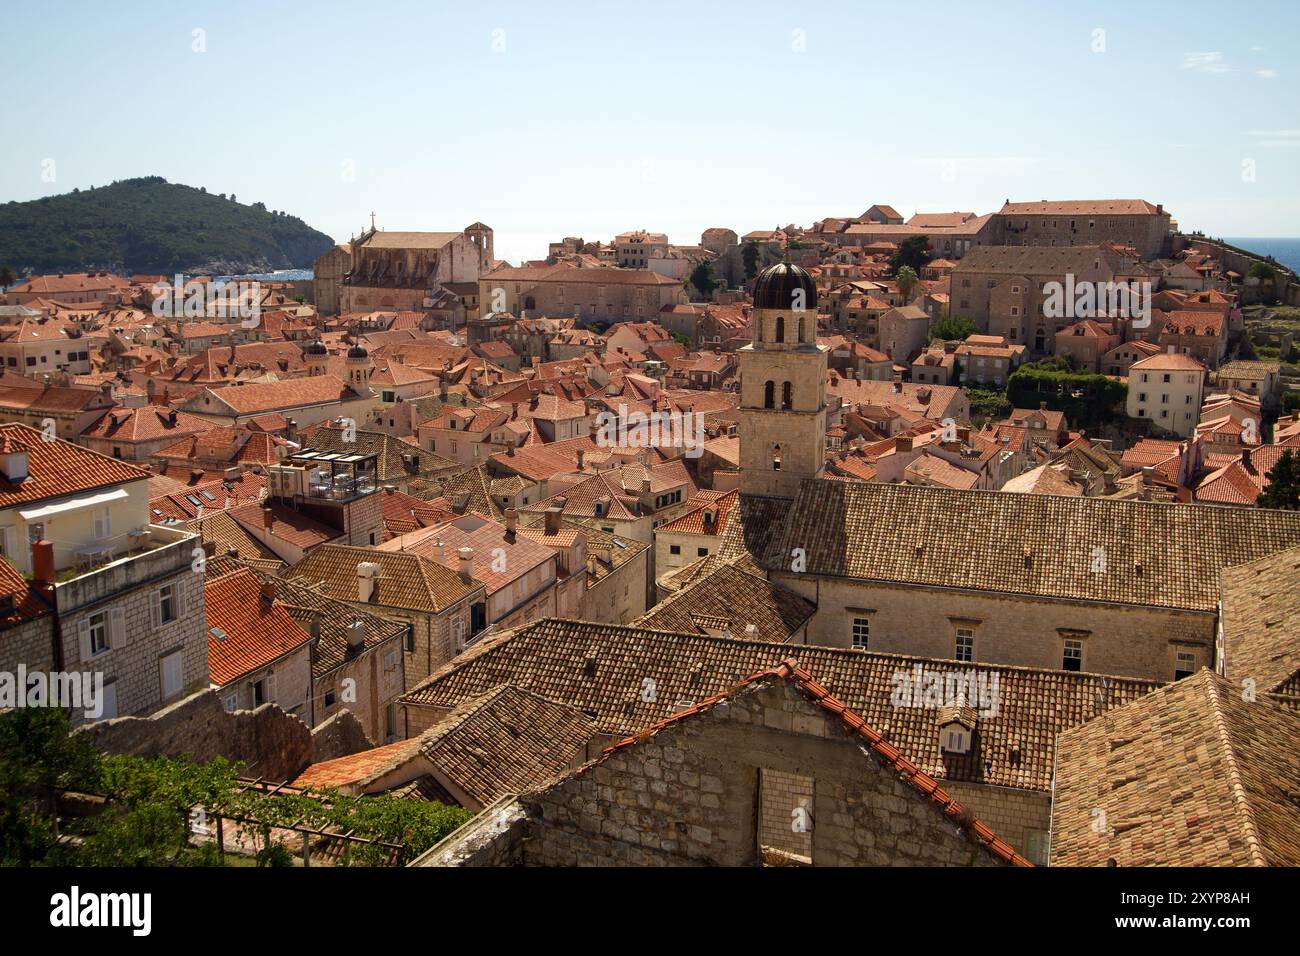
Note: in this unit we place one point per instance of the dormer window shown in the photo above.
(955, 739)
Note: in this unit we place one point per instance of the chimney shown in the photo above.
(367, 578)
(43, 562)
(582, 458)
(465, 560)
(356, 635)
(1042, 406)
(553, 515)
(268, 592)
(645, 485)
(903, 443)
(268, 518)
(1245, 459)
(512, 521)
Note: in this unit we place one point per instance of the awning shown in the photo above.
(72, 504)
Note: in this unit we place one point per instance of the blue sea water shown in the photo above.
(1285, 251)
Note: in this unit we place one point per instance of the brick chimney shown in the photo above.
(43, 563)
(268, 518)
(512, 521)
(268, 592)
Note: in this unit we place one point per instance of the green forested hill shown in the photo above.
(151, 225)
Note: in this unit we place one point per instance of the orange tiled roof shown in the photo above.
(57, 468)
(257, 631)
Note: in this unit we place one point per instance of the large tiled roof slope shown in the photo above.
(506, 740)
(601, 670)
(1191, 775)
(1155, 554)
(1261, 625)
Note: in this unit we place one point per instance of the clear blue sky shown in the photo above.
(600, 117)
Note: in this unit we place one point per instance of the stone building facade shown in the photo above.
(1131, 222)
(768, 773)
(400, 270)
(328, 272)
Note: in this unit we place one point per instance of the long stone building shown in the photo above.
(401, 270)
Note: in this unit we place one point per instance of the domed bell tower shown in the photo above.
(782, 386)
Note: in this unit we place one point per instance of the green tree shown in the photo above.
(906, 279)
(1283, 489)
(702, 278)
(914, 252)
(7, 277)
(953, 327)
(749, 256)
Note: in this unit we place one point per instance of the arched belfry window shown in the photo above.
(787, 395)
(769, 395)
(776, 457)
(801, 329)
(780, 328)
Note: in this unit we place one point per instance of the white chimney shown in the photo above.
(466, 562)
(367, 579)
(356, 635)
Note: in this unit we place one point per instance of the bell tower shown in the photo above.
(782, 386)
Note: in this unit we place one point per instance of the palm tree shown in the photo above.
(906, 279)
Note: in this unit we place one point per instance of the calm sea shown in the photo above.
(1285, 251)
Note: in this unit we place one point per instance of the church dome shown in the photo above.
(775, 287)
(316, 348)
(357, 352)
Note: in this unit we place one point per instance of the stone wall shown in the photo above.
(339, 736)
(1021, 817)
(272, 744)
(493, 838)
(689, 796)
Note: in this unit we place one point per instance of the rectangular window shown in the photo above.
(861, 632)
(674, 549)
(965, 644)
(98, 633)
(167, 603)
(1072, 658)
(1185, 665)
(231, 702)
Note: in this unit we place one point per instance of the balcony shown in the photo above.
(342, 488)
(100, 574)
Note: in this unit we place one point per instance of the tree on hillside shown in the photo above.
(749, 256)
(914, 252)
(1283, 489)
(7, 277)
